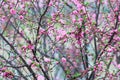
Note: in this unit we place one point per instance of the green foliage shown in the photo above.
(23, 27)
(119, 28)
(5, 0)
(83, 26)
(84, 18)
(57, 25)
(91, 69)
(68, 32)
(76, 75)
(86, 3)
(67, 71)
(79, 26)
(1, 78)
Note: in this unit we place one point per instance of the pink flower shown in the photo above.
(75, 64)
(46, 59)
(63, 60)
(8, 74)
(58, 38)
(62, 32)
(75, 12)
(117, 38)
(79, 6)
(24, 0)
(30, 46)
(13, 11)
(74, 20)
(24, 48)
(42, 31)
(4, 18)
(116, 9)
(29, 61)
(40, 77)
(80, 19)
(119, 17)
(118, 66)
(21, 17)
(21, 32)
(51, 3)
(110, 50)
(3, 69)
(62, 21)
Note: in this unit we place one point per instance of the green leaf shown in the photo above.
(86, 3)
(23, 27)
(101, 1)
(38, 65)
(91, 68)
(84, 18)
(119, 28)
(79, 26)
(68, 32)
(76, 75)
(93, 23)
(57, 25)
(67, 71)
(83, 26)
(1, 79)
(5, 0)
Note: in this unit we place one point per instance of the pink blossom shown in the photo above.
(51, 3)
(20, 52)
(110, 50)
(75, 64)
(62, 32)
(57, 62)
(21, 17)
(58, 38)
(83, 8)
(40, 77)
(118, 66)
(79, 6)
(24, 48)
(75, 1)
(29, 61)
(93, 15)
(8, 74)
(114, 63)
(30, 46)
(3, 69)
(80, 19)
(116, 9)
(13, 11)
(117, 38)
(75, 12)
(64, 40)
(4, 18)
(24, 0)
(22, 32)
(42, 31)
(73, 20)
(119, 17)
(63, 60)
(46, 59)
(105, 2)
(62, 21)
(33, 66)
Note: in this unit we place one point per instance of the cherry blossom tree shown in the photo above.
(59, 39)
